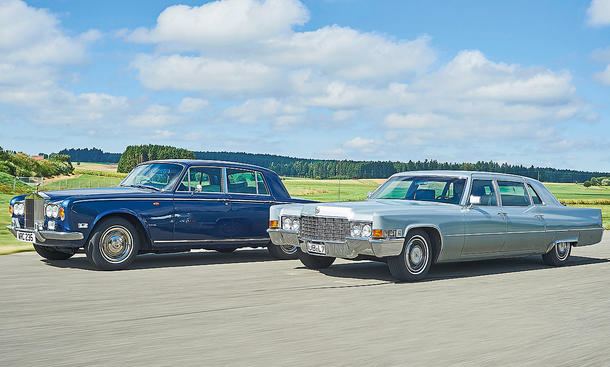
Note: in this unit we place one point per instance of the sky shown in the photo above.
(523, 82)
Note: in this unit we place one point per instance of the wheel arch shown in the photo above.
(433, 232)
(131, 217)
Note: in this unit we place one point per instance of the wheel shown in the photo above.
(51, 253)
(226, 250)
(114, 244)
(315, 262)
(558, 255)
(282, 252)
(415, 259)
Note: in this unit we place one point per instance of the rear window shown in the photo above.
(513, 193)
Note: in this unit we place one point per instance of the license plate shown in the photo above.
(25, 236)
(316, 248)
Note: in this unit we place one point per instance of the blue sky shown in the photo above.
(522, 82)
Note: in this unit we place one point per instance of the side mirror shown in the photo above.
(369, 194)
(198, 188)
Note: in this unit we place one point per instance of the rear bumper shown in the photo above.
(348, 249)
(51, 236)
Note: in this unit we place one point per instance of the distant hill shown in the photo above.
(329, 168)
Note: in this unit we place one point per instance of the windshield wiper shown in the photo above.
(146, 187)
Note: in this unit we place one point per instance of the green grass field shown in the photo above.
(319, 190)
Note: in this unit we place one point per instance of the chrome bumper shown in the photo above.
(348, 249)
(42, 236)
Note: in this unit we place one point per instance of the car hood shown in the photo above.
(363, 210)
(99, 193)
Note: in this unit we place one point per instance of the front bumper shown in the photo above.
(348, 249)
(43, 236)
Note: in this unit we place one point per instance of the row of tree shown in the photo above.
(316, 168)
(322, 169)
(21, 164)
(136, 154)
(91, 155)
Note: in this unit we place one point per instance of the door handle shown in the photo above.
(502, 213)
(539, 216)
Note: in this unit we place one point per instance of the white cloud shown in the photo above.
(267, 109)
(603, 76)
(153, 115)
(33, 36)
(599, 13)
(190, 105)
(191, 73)
(415, 120)
(222, 23)
(365, 145)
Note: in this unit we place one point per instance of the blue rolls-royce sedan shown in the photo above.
(161, 206)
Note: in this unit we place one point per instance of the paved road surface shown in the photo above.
(206, 308)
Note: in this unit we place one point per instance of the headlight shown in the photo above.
(361, 229)
(366, 230)
(49, 211)
(286, 224)
(52, 211)
(296, 224)
(356, 230)
(18, 209)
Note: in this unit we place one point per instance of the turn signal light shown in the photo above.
(10, 209)
(377, 233)
(274, 224)
(62, 213)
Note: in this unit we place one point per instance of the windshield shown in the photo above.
(437, 189)
(156, 176)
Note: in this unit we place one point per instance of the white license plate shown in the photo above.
(316, 248)
(25, 236)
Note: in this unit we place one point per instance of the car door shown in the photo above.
(484, 223)
(201, 208)
(250, 201)
(525, 230)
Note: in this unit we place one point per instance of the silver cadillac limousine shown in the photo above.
(416, 219)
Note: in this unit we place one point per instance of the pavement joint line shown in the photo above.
(178, 314)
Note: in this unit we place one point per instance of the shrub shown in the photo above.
(587, 184)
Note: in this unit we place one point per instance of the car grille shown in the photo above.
(324, 229)
(33, 212)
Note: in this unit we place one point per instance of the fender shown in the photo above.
(102, 215)
(427, 225)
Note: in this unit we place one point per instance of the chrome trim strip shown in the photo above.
(523, 232)
(219, 240)
(115, 199)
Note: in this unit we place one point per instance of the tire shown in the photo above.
(51, 253)
(559, 254)
(114, 244)
(315, 262)
(226, 250)
(283, 252)
(415, 259)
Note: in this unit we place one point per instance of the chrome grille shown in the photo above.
(33, 212)
(324, 229)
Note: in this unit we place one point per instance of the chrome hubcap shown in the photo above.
(417, 254)
(562, 249)
(289, 249)
(116, 244)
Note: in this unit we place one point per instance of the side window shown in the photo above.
(241, 181)
(483, 192)
(534, 195)
(513, 193)
(202, 179)
(260, 183)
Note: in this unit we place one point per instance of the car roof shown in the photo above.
(464, 174)
(205, 162)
